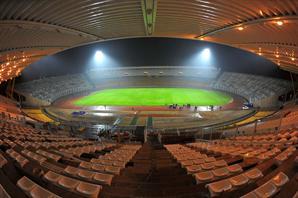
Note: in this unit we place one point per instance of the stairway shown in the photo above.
(153, 173)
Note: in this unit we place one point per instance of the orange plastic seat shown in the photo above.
(86, 165)
(253, 174)
(39, 192)
(220, 172)
(207, 166)
(85, 174)
(280, 179)
(98, 167)
(33, 190)
(52, 177)
(216, 188)
(204, 176)
(198, 161)
(239, 180)
(113, 169)
(210, 159)
(220, 163)
(186, 163)
(71, 170)
(26, 184)
(119, 164)
(68, 183)
(193, 169)
(98, 161)
(21, 160)
(104, 178)
(88, 190)
(236, 168)
(266, 190)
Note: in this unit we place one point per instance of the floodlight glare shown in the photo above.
(206, 53)
(99, 55)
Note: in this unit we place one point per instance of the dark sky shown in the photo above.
(151, 52)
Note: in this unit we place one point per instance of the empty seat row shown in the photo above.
(118, 157)
(78, 151)
(189, 157)
(83, 188)
(89, 175)
(101, 168)
(34, 156)
(49, 155)
(33, 190)
(197, 164)
(10, 143)
(207, 176)
(108, 162)
(285, 154)
(235, 182)
(268, 154)
(269, 188)
(16, 156)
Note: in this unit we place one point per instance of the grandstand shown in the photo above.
(254, 88)
(50, 89)
(148, 98)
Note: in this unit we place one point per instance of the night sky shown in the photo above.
(150, 52)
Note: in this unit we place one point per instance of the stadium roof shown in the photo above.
(32, 29)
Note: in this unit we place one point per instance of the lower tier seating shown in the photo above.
(37, 163)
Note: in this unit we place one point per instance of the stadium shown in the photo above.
(148, 98)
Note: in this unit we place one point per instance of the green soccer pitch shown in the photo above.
(154, 97)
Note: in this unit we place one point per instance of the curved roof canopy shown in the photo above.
(30, 30)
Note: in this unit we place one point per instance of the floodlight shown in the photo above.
(206, 53)
(98, 55)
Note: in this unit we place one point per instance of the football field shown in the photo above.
(154, 97)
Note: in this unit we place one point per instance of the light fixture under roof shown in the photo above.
(279, 23)
(240, 28)
(261, 13)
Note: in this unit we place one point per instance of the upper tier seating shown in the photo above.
(251, 86)
(52, 88)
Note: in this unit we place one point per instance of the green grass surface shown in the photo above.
(153, 97)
